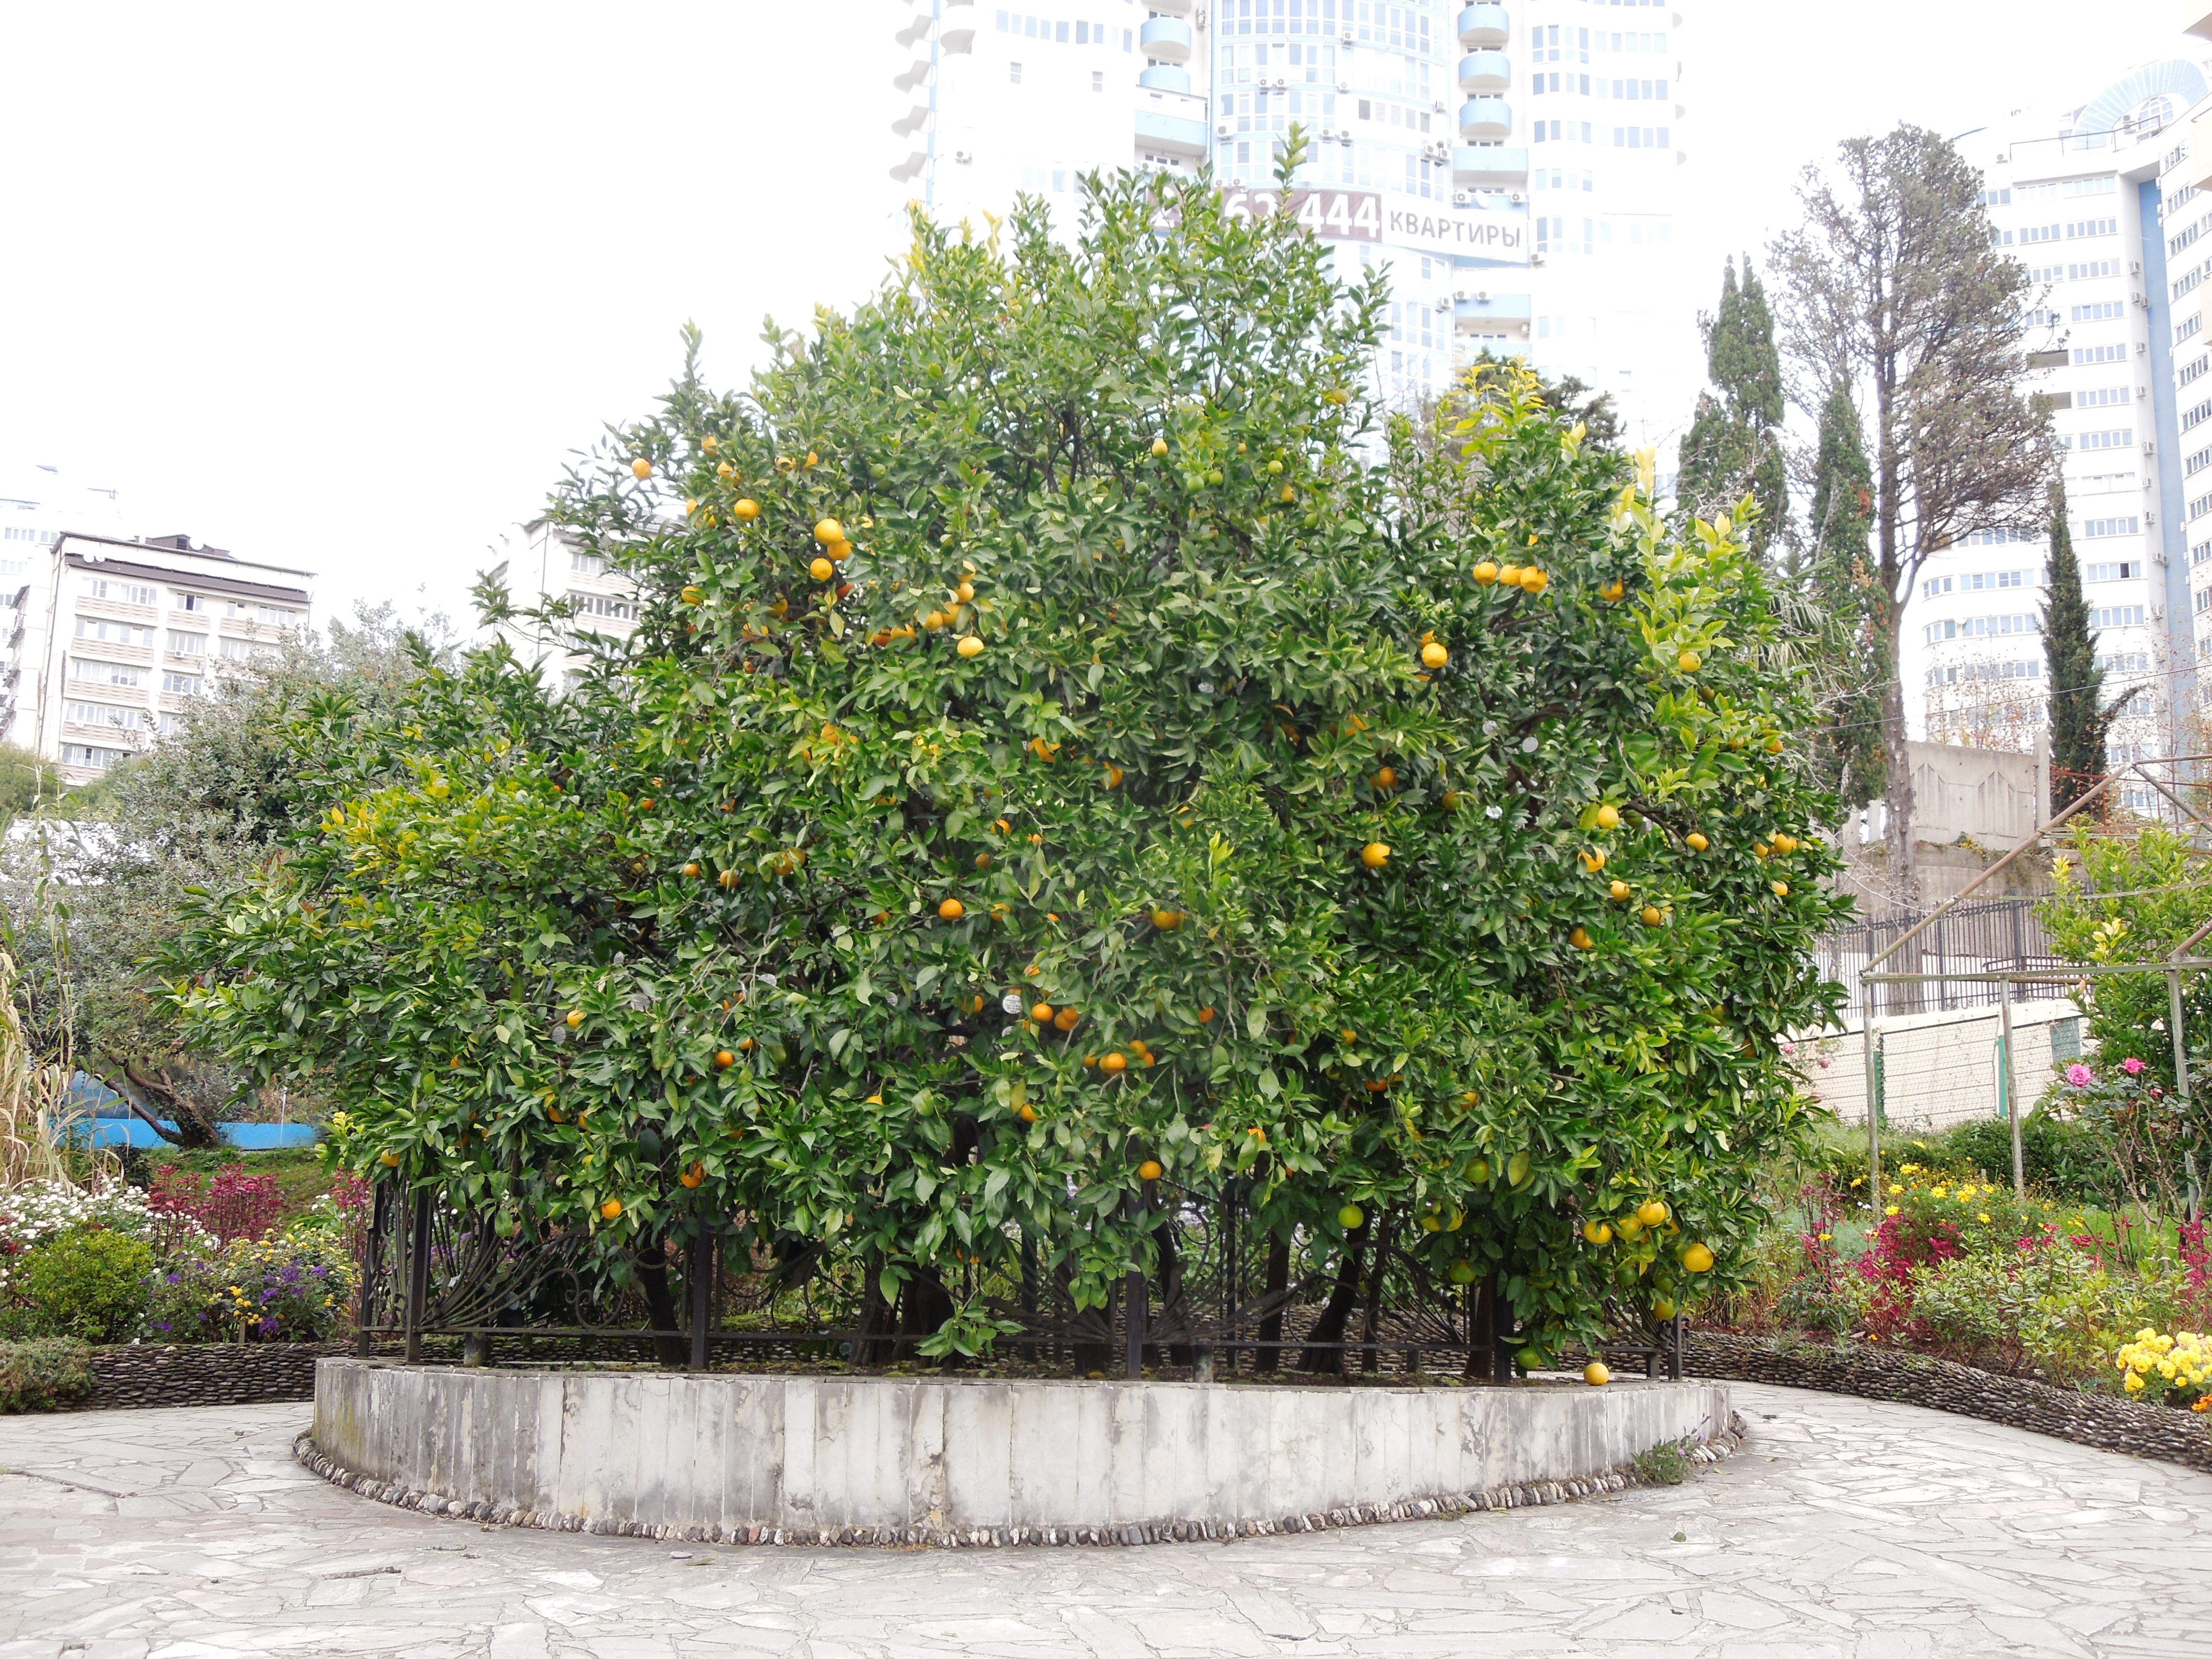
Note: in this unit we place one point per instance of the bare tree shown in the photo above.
(1891, 288)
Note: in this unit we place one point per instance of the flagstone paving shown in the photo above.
(1846, 1527)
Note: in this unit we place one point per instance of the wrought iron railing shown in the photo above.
(1224, 1299)
(1982, 936)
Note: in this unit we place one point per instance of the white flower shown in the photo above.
(1493, 812)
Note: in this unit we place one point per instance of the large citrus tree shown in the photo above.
(1066, 749)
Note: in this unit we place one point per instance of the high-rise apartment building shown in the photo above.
(546, 563)
(2094, 201)
(111, 640)
(1512, 166)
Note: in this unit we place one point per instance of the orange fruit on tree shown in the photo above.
(1387, 778)
(611, 1209)
(821, 570)
(1698, 1259)
(1613, 589)
(691, 870)
(390, 1160)
(1374, 855)
(1581, 940)
(1042, 1014)
(1509, 574)
(970, 646)
(747, 510)
(1653, 915)
(1652, 1212)
(1533, 581)
(1116, 1062)
(710, 443)
(829, 532)
(1452, 798)
(952, 910)
(1150, 1169)
(692, 1176)
(725, 1059)
(982, 860)
(1113, 776)
(1597, 1232)
(966, 591)
(1619, 890)
(1205, 1016)
(1434, 655)
(1689, 662)
(1781, 889)
(1167, 921)
(728, 878)
(1485, 573)
(1774, 745)
(692, 596)
(641, 467)
(1609, 816)
(1696, 840)
(1593, 860)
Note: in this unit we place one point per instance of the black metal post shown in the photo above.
(704, 1255)
(1229, 1274)
(1138, 1314)
(1675, 1352)
(372, 1265)
(1501, 1328)
(418, 1275)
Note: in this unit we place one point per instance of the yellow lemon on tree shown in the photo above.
(1159, 446)
(1619, 890)
(1781, 889)
(970, 645)
(829, 532)
(1613, 589)
(1350, 1217)
(821, 570)
(1696, 840)
(1653, 915)
(1485, 573)
(1609, 816)
(1592, 861)
(747, 510)
(641, 467)
(1597, 1375)
(1698, 1259)
(1689, 662)
(391, 1160)
(1597, 1232)
(1651, 1212)
(1509, 574)
(1533, 581)
(1581, 940)
(1434, 655)
(1374, 855)
(692, 596)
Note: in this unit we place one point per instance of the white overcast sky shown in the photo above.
(341, 286)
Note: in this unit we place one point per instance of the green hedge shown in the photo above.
(43, 1375)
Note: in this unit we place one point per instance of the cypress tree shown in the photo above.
(2078, 725)
(1734, 447)
(1848, 751)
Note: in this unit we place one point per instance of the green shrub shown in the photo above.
(87, 1283)
(43, 1375)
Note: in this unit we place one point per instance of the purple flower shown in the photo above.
(2080, 1075)
(2131, 1066)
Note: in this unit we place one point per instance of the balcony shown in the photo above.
(1172, 135)
(1174, 8)
(1489, 166)
(1489, 313)
(1485, 71)
(1485, 120)
(1484, 26)
(1165, 77)
(1167, 38)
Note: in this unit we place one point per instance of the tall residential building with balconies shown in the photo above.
(546, 563)
(1519, 208)
(2090, 200)
(112, 640)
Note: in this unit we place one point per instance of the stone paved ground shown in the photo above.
(1846, 1527)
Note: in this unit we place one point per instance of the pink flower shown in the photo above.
(2080, 1075)
(2131, 1066)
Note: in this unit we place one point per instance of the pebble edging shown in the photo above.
(1531, 1495)
(2106, 1422)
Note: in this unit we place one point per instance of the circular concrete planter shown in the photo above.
(952, 1459)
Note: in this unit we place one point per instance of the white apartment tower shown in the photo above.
(545, 563)
(2093, 199)
(1513, 167)
(112, 640)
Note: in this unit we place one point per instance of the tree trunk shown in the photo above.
(1370, 1357)
(1889, 616)
(1278, 1282)
(1321, 1358)
(194, 1130)
(924, 1306)
(669, 1346)
(878, 1317)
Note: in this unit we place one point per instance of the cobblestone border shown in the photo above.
(2104, 1421)
(1533, 1494)
(203, 1374)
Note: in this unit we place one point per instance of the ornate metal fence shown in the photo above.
(1227, 1298)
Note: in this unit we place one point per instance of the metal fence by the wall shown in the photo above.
(1981, 936)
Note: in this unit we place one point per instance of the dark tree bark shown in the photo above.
(669, 1346)
(1321, 1358)
(194, 1130)
(1278, 1285)
(1892, 288)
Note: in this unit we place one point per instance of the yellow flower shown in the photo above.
(1825, 1238)
(1892, 1209)
(1985, 1217)
(1935, 1192)
(2135, 1382)
(1896, 1189)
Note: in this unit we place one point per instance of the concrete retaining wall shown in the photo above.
(955, 1460)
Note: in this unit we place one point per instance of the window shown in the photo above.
(106, 674)
(100, 760)
(604, 605)
(115, 633)
(1981, 580)
(2103, 354)
(2126, 662)
(2117, 616)
(2123, 438)
(2103, 311)
(102, 714)
(276, 616)
(1997, 536)
(119, 593)
(1935, 587)
(187, 644)
(591, 564)
(191, 601)
(242, 650)
(2122, 570)
(2093, 227)
(1993, 198)
(185, 685)
(2128, 526)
